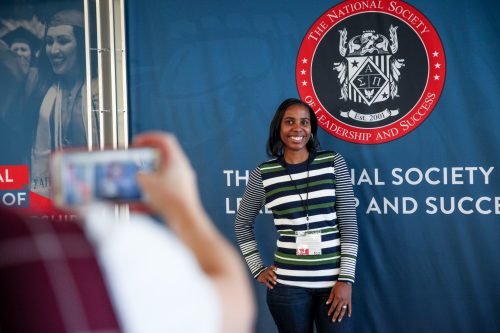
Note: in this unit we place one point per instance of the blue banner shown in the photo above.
(407, 92)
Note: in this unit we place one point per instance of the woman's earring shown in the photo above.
(312, 137)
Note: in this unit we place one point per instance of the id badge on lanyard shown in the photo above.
(308, 243)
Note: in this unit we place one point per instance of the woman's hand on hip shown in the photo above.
(268, 277)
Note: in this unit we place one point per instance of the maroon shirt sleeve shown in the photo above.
(50, 280)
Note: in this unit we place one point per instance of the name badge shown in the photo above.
(308, 243)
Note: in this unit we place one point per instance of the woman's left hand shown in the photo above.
(340, 300)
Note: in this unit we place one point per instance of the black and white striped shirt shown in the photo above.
(315, 195)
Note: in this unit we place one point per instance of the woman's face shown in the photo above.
(295, 129)
(61, 49)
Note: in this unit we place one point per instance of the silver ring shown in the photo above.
(344, 306)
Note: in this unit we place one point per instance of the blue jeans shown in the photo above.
(296, 309)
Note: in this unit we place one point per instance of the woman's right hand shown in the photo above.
(268, 277)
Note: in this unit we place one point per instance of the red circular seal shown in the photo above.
(372, 71)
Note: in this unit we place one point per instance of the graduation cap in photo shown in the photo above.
(22, 35)
(67, 17)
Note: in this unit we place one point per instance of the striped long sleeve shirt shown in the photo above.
(315, 195)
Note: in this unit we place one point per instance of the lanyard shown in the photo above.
(306, 204)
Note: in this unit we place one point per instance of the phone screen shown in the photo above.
(80, 178)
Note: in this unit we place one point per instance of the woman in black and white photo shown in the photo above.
(58, 95)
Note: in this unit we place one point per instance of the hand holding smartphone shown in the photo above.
(81, 177)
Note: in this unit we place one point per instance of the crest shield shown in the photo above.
(369, 78)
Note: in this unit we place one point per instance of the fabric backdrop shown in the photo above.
(213, 73)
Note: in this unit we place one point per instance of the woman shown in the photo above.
(310, 195)
(58, 93)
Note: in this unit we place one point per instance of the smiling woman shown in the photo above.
(61, 49)
(309, 193)
(57, 95)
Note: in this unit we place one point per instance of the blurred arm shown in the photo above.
(172, 192)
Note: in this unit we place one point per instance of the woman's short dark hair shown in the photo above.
(274, 143)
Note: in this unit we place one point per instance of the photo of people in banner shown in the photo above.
(43, 106)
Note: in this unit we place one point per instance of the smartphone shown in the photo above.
(82, 177)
